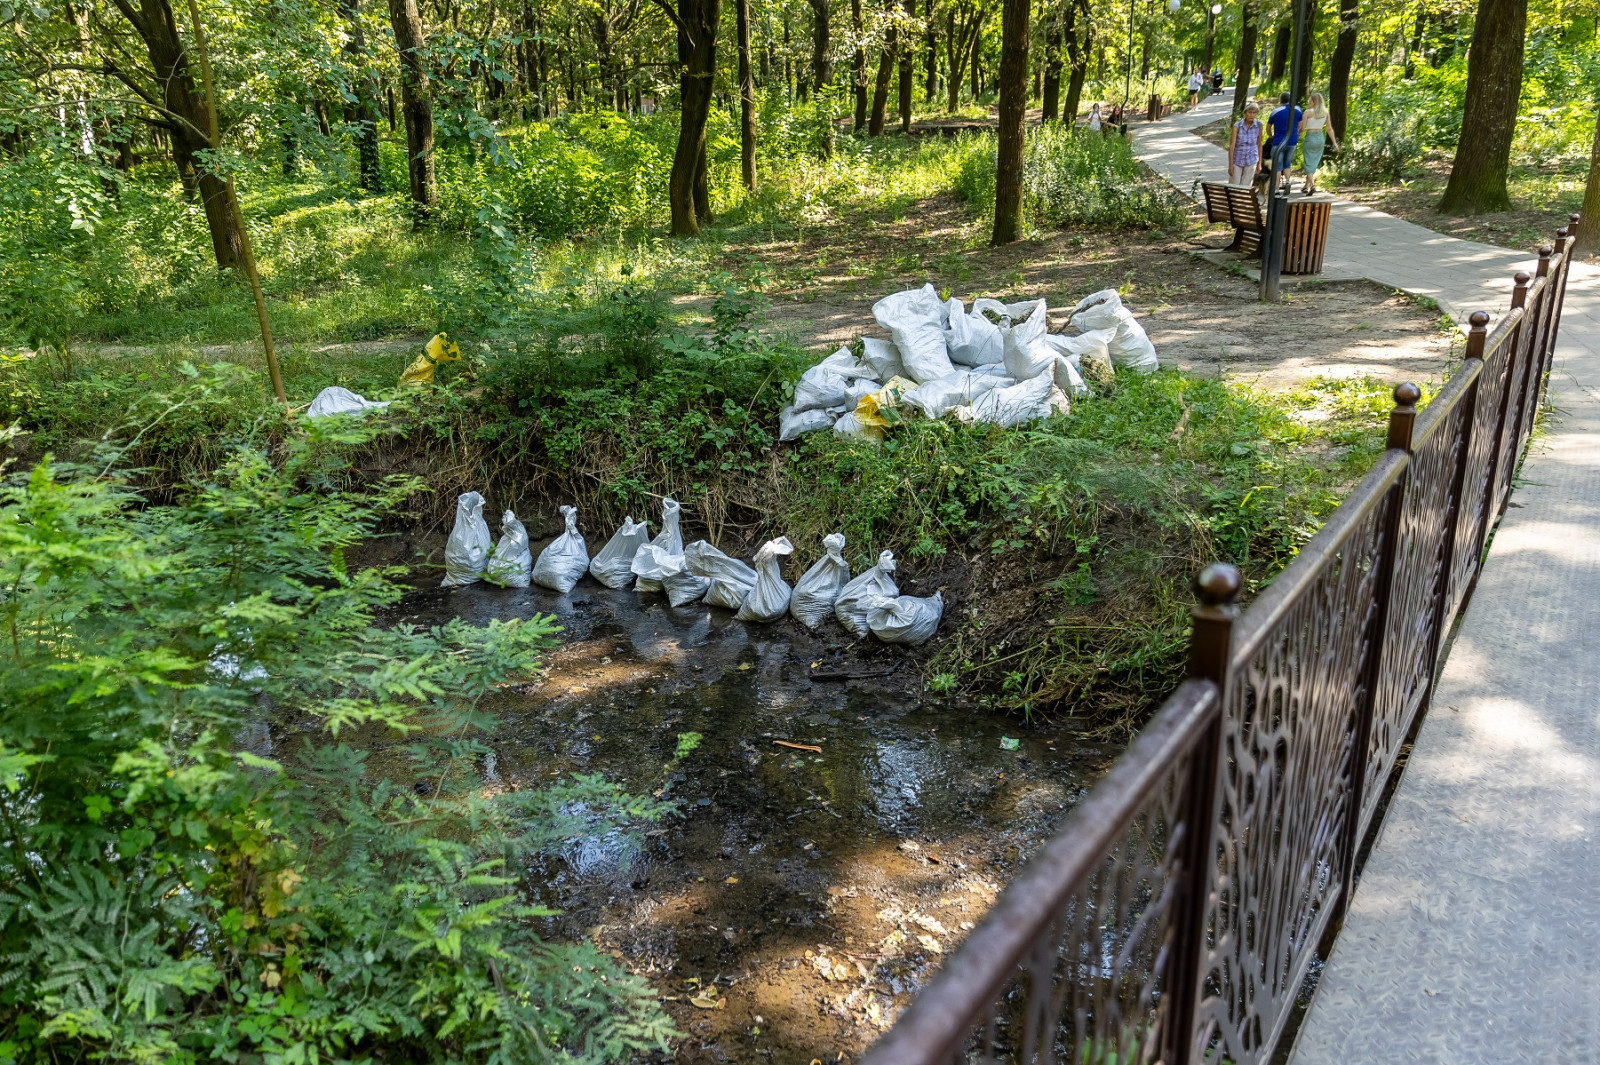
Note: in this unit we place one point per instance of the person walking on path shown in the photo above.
(1196, 80)
(1312, 126)
(1244, 147)
(1285, 136)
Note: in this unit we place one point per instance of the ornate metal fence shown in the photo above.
(1174, 915)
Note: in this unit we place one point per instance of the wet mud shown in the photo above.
(797, 898)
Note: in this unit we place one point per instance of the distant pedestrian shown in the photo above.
(1312, 126)
(1196, 80)
(1285, 129)
(1216, 79)
(1244, 147)
(1096, 123)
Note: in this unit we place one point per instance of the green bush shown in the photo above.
(1381, 154)
(1071, 177)
(172, 889)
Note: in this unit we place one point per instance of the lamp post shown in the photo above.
(1211, 36)
(1282, 156)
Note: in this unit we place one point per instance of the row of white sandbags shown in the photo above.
(943, 358)
(870, 602)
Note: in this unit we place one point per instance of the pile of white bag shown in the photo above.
(868, 603)
(996, 363)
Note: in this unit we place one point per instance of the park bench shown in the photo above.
(1237, 206)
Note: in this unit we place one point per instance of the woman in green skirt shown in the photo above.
(1315, 135)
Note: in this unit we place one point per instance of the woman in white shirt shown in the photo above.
(1315, 135)
(1196, 80)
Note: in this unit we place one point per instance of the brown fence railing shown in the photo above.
(1173, 916)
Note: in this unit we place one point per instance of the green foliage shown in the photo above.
(1100, 515)
(196, 865)
(1071, 177)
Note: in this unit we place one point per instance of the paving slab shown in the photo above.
(1474, 933)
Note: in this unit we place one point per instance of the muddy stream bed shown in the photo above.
(807, 894)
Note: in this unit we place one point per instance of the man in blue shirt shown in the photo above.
(1283, 128)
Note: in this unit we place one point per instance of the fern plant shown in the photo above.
(170, 892)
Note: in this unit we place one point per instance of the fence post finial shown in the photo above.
(1477, 333)
(1561, 239)
(1216, 586)
(1403, 418)
(1544, 260)
(1519, 294)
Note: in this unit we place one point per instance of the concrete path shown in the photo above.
(1474, 934)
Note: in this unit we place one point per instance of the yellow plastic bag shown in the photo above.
(440, 349)
(876, 411)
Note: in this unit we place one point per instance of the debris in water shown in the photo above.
(1009, 744)
(799, 746)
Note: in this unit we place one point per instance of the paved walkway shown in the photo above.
(1474, 934)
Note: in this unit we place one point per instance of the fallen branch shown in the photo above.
(798, 746)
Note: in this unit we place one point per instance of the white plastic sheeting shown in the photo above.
(564, 560)
(336, 400)
(850, 608)
(818, 587)
(466, 550)
(612, 565)
(730, 580)
(769, 599)
(511, 563)
(904, 618)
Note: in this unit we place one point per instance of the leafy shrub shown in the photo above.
(1071, 177)
(1381, 154)
(172, 889)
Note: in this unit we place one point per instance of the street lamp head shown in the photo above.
(1173, 5)
(1216, 9)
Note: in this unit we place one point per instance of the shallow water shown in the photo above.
(816, 889)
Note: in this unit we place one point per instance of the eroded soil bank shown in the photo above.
(800, 896)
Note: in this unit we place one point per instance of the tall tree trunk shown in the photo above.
(954, 60)
(365, 90)
(858, 71)
(1077, 57)
(291, 147)
(932, 44)
(1280, 51)
(1416, 43)
(1050, 101)
(1211, 43)
(1306, 53)
(1494, 86)
(747, 97)
(1587, 238)
(1246, 62)
(191, 122)
(880, 88)
(977, 65)
(416, 106)
(821, 45)
(1013, 103)
(907, 71)
(687, 191)
(1344, 54)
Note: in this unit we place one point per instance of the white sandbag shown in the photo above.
(971, 339)
(1019, 403)
(769, 599)
(669, 540)
(681, 586)
(793, 424)
(1130, 346)
(848, 425)
(850, 608)
(564, 560)
(466, 550)
(904, 619)
(936, 397)
(882, 357)
(336, 400)
(838, 380)
(511, 562)
(612, 565)
(818, 587)
(915, 321)
(844, 363)
(1094, 342)
(1021, 344)
(730, 580)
